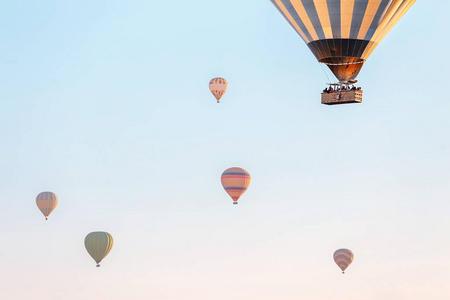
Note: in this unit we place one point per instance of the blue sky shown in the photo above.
(106, 103)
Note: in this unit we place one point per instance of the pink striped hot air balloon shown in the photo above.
(343, 258)
(235, 181)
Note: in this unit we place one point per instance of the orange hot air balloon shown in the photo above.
(218, 87)
(235, 181)
(343, 258)
(46, 202)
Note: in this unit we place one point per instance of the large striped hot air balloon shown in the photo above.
(98, 244)
(235, 181)
(343, 258)
(343, 33)
(218, 87)
(46, 202)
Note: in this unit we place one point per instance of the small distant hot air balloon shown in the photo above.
(98, 244)
(218, 87)
(343, 258)
(235, 181)
(46, 202)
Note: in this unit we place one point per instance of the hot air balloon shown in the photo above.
(218, 87)
(235, 181)
(343, 258)
(342, 34)
(98, 244)
(46, 202)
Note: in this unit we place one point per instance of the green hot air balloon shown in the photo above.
(98, 244)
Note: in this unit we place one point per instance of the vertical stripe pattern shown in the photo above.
(343, 33)
(98, 244)
(235, 181)
(346, 19)
(46, 202)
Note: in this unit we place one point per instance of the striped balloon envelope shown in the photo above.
(343, 258)
(46, 202)
(218, 87)
(343, 33)
(235, 181)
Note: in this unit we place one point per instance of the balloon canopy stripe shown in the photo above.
(46, 196)
(235, 181)
(289, 19)
(334, 14)
(235, 188)
(360, 13)
(312, 14)
(347, 16)
(291, 14)
(235, 175)
(345, 19)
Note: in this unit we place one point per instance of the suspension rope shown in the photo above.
(325, 72)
